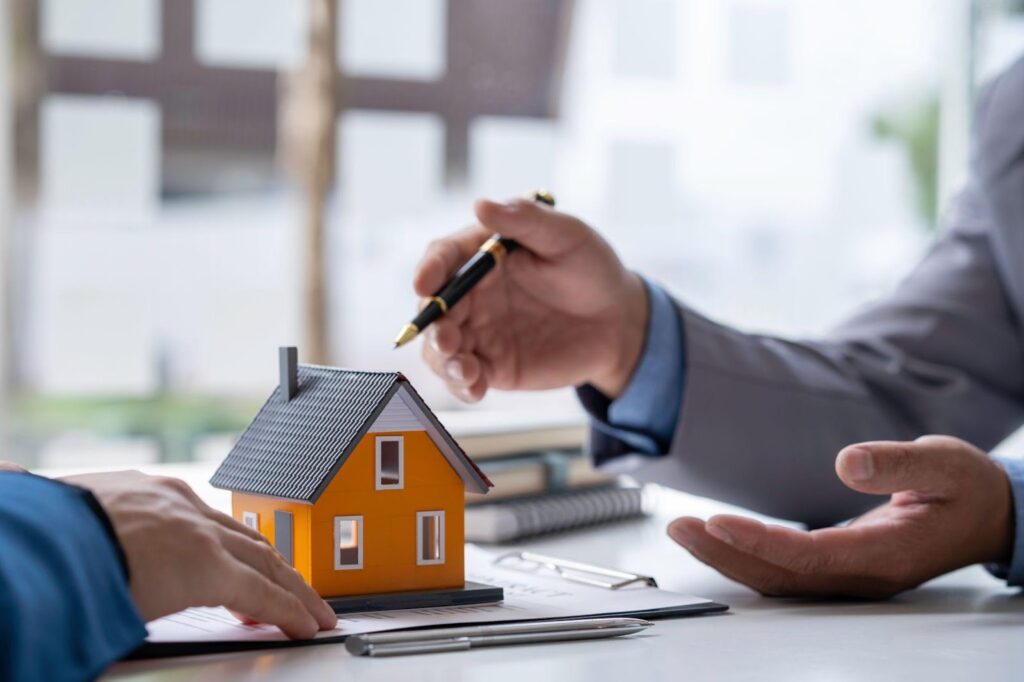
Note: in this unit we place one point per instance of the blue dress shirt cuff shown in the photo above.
(1013, 572)
(643, 419)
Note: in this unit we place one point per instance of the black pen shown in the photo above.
(491, 253)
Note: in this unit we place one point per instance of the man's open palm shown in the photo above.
(951, 506)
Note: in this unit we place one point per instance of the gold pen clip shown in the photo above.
(574, 571)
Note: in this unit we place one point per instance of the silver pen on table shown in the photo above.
(463, 638)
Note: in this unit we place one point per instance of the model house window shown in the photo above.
(429, 537)
(252, 520)
(390, 462)
(348, 542)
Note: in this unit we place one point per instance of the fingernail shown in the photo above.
(330, 617)
(860, 466)
(455, 371)
(720, 533)
(432, 339)
(680, 534)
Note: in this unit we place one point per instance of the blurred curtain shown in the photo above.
(6, 201)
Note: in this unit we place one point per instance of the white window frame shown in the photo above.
(420, 561)
(251, 520)
(401, 462)
(338, 520)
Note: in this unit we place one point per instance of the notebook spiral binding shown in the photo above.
(552, 512)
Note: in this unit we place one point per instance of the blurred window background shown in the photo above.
(187, 184)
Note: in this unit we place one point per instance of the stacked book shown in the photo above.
(543, 481)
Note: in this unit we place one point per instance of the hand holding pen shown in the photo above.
(561, 310)
(490, 255)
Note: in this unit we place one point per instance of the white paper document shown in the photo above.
(528, 596)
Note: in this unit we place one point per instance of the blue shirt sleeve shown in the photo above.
(1013, 572)
(65, 609)
(643, 419)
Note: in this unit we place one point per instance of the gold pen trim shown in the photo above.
(441, 303)
(492, 246)
(543, 196)
(496, 249)
(408, 333)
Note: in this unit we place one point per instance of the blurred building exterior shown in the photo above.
(725, 148)
(176, 110)
(218, 100)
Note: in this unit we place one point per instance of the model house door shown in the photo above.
(283, 535)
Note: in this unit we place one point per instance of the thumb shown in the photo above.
(541, 229)
(930, 464)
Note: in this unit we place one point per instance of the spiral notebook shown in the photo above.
(510, 520)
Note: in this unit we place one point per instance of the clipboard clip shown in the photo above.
(574, 571)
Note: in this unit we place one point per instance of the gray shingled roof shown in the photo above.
(292, 449)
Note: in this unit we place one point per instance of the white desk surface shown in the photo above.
(966, 625)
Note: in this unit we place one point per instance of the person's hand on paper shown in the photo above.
(183, 553)
(561, 311)
(951, 507)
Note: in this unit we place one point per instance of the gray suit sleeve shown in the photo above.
(763, 418)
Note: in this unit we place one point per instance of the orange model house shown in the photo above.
(354, 481)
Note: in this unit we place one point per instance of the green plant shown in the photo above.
(174, 422)
(916, 128)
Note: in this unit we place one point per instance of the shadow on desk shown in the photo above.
(929, 600)
(287, 663)
(214, 666)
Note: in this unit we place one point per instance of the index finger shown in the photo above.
(269, 563)
(836, 551)
(251, 594)
(767, 578)
(444, 256)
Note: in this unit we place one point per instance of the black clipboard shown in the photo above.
(573, 571)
